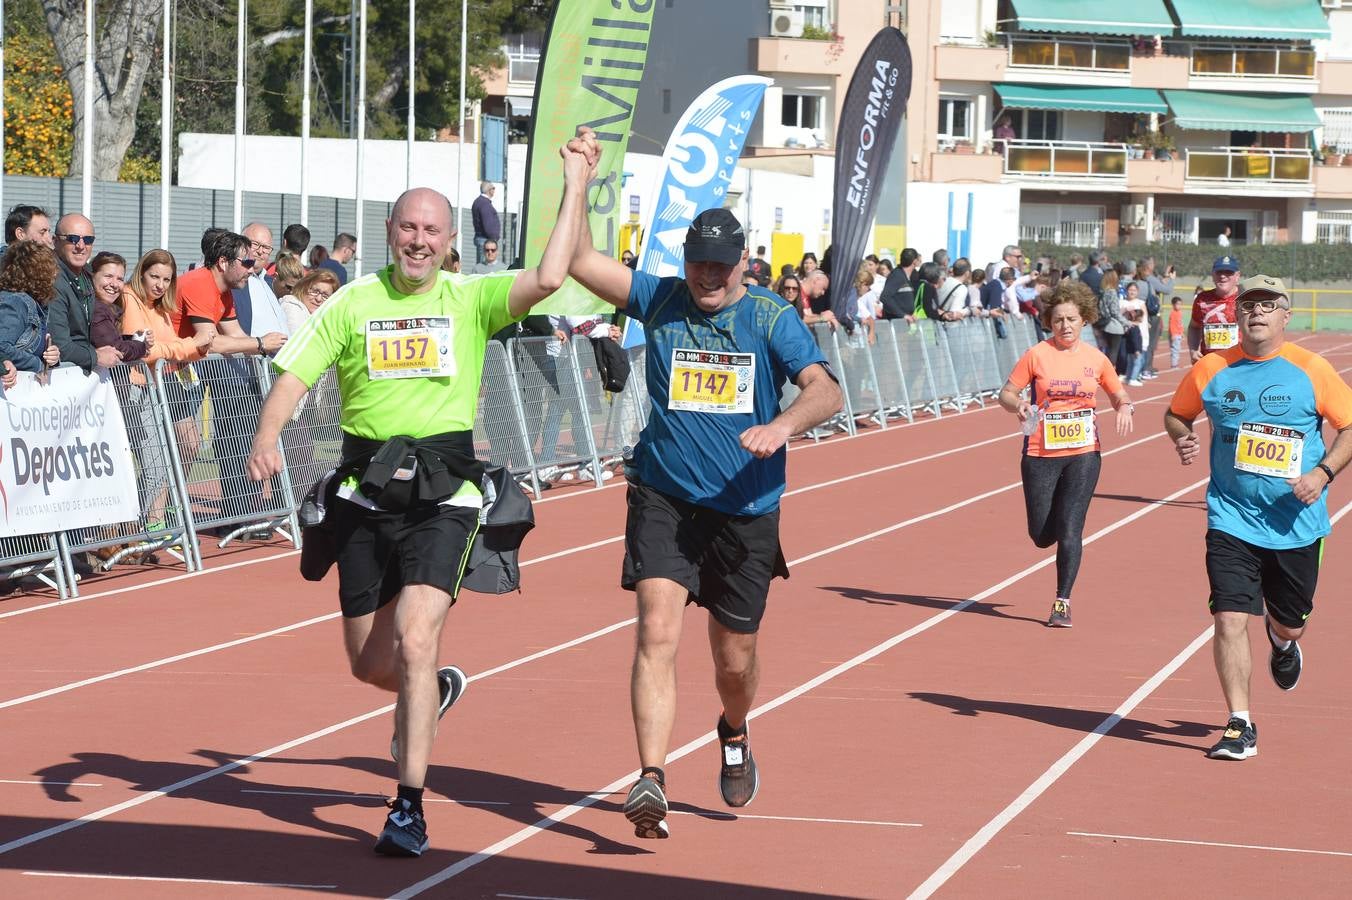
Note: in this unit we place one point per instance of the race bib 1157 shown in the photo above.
(409, 348)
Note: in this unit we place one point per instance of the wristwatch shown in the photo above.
(1327, 471)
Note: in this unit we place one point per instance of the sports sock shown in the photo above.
(1242, 714)
(726, 731)
(1276, 641)
(412, 796)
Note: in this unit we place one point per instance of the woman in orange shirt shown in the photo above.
(1061, 460)
(150, 307)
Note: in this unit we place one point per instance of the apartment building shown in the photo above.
(1119, 121)
(1150, 120)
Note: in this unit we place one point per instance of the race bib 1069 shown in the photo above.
(1269, 450)
(1068, 430)
(705, 381)
(409, 348)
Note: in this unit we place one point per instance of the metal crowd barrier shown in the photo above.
(542, 415)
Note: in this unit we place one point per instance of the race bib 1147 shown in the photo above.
(711, 382)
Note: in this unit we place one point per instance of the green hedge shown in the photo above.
(1301, 263)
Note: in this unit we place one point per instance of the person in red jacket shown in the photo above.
(1213, 325)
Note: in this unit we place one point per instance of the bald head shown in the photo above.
(816, 283)
(76, 255)
(260, 244)
(419, 232)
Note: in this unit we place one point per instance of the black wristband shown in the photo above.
(1327, 471)
(261, 352)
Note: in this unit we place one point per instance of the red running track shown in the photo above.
(920, 732)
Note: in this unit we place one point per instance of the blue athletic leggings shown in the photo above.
(1056, 493)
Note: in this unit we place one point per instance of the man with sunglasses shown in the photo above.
(1266, 512)
(70, 312)
(207, 306)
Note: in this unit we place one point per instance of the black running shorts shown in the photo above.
(1244, 577)
(725, 562)
(380, 552)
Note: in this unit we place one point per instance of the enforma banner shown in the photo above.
(589, 74)
(696, 171)
(65, 461)
(870, 120)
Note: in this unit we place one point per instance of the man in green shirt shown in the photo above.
(408, 342)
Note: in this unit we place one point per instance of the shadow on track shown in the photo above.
(868, 595)
(1085, 720)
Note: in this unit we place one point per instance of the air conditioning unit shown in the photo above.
(1133, 215)
(786, 22)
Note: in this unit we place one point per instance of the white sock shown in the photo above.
(1240, 714)
(1276, 641)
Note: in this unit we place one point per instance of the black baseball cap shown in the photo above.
(715, 236)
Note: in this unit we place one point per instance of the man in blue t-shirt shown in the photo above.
(1267, 517)
(706, 479)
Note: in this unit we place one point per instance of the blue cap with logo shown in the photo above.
(1225, 263)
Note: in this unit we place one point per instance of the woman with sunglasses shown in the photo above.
(789, 287)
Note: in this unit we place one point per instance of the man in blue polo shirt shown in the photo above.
(706, 479)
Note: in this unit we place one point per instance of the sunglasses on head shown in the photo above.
(76, 239)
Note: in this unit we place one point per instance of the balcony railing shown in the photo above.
(1080, 54)
(1065, 159)
(1250, 164)
(1251, 61)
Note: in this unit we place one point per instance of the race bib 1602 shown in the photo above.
(1269, 450)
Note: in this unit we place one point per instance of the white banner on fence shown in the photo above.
(65, 461)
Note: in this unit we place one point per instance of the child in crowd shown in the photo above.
(1175, 332)
(1133, 307)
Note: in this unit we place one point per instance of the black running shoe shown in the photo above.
(646, 807)
(739, 779)
(451, 683)
(1285, 664)
(1240, 741)
(405, 831)
(1060, 617)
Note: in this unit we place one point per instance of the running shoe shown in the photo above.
(646, 806)
(1285, 664)
(451, 682)
(405, 832)
(739, 779)
(1135, 382)
(1060, 617)
(1240, 741)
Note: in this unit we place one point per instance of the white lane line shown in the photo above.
(71, 783)
(168, 660)
(339, 795)
(107, 811)
(732, 817)
(1160, 840)
(96, 815)
(262, 884)
(988, 831)
(709, 737)
(154, 664)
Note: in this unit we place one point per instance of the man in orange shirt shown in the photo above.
(1176, 333)
(207, 307)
